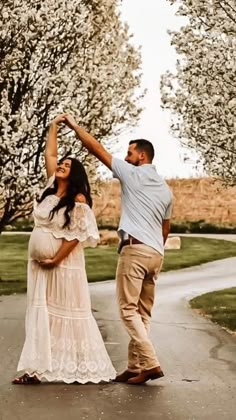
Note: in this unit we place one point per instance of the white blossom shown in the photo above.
(202, 92)
(59, 56)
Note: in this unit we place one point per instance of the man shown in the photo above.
(143, 230)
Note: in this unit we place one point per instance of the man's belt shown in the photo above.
(130, 241)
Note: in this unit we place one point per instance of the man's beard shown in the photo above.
(134, 163)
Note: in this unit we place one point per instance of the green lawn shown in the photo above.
(101, 261)
(220, 306)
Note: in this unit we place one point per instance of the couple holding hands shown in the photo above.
(63, 342)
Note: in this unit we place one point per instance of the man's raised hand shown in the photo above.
(59, 119)
(70, 122)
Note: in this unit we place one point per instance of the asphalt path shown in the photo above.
(197, 357)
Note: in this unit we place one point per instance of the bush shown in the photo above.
(200, 226)
(104, 226)
(20, 225)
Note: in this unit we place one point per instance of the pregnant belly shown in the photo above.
(43, 245)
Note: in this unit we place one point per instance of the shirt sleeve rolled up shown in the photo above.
(168, 212)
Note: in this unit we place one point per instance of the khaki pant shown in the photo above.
(138, 267)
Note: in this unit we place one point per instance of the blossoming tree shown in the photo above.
(59, 56)
(202, 92)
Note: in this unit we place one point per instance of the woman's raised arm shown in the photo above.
(51, 146)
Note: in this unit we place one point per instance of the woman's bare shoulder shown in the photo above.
(80, 198)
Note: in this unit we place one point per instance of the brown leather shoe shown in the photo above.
(125, 376)
(144, 376)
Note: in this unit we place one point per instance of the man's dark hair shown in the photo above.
(146, 146)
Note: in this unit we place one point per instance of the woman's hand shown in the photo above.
(63, 252)
(59, 119)
(47, 263)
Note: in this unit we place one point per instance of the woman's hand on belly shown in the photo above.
(65, 249)
(47, 263)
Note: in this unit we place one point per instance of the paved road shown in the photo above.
(198, 358)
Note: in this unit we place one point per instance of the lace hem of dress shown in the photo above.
(94, 379)
(85, 240)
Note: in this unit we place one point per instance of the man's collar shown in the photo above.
(148, 164)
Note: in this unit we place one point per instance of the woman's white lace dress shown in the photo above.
(63, 342)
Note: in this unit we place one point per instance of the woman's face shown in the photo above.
(63, 169)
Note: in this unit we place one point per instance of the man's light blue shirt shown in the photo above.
(146, 201)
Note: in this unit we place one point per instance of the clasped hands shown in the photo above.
(67, 119)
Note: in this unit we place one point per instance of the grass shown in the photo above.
(195, 251)
(101, 261)
(220, 306)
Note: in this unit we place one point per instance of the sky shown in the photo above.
(149, 21)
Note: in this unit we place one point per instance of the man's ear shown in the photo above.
(142, 155)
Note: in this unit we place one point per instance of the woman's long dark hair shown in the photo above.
(77, 184)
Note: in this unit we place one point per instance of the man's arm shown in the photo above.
(165, 229)
(90, 142)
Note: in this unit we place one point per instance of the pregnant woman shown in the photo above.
(63, 342)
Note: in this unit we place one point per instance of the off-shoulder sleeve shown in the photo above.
(82, 227)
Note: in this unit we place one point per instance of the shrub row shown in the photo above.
(200, 226)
